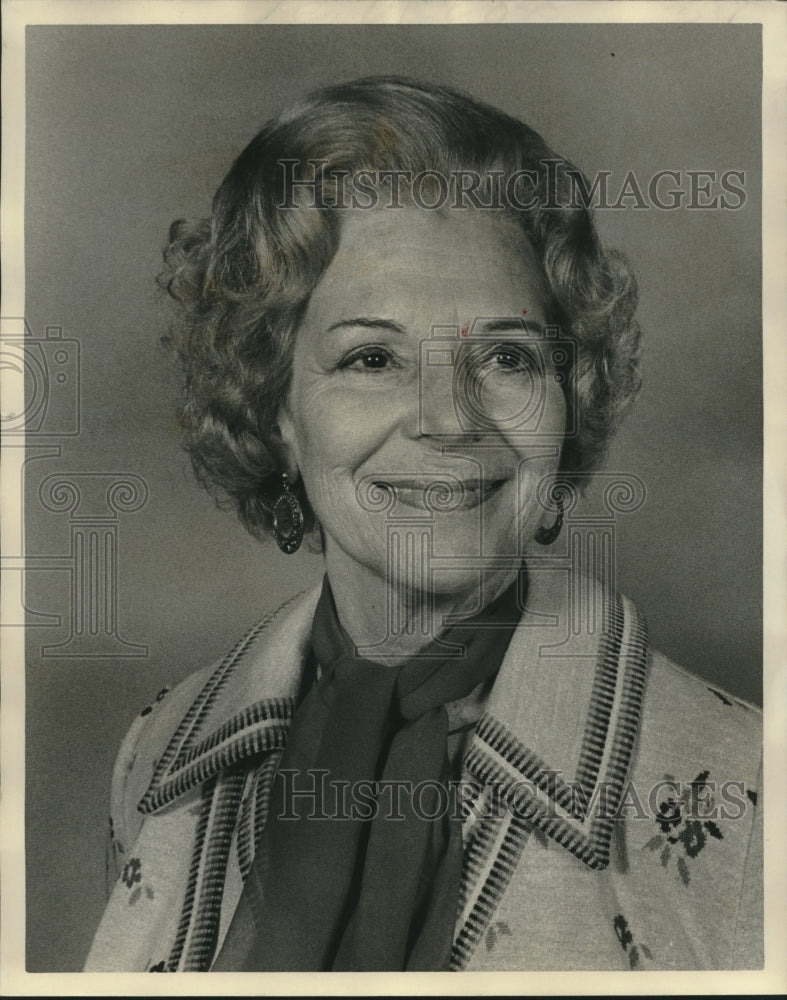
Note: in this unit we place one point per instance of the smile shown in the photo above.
(441, 495)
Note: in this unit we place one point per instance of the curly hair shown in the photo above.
(244, 276)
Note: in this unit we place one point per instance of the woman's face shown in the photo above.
(421, 361)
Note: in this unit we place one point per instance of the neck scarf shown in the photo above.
(359, 864)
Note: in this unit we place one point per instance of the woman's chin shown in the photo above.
(469, 584)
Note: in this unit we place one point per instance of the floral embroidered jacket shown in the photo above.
(611, 814)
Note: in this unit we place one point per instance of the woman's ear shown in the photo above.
(283, 443)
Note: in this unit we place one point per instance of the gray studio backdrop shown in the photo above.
(130, 127)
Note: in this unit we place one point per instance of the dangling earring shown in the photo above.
(545, 536)
(287, 509)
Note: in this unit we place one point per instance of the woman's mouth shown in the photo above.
(440, 494)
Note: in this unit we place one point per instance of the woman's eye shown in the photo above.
(375, 359)
(507, 360)
(369, 359)
(512, 359)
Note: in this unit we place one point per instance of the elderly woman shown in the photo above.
(403, 341)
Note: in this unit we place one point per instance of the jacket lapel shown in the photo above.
(244, 709)
(552, 751)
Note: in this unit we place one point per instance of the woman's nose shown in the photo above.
(439, 410)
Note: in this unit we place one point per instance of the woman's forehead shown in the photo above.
(416, 269)
(438, 229)
(445, 250)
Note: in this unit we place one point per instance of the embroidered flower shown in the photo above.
(149, 708)
(621, 926)
(692, 838)
(132, 872)
(668, 815)
(626, 938)
(682, 826)
(137, 894)
(499, 927)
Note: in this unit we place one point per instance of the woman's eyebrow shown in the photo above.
(369, 322)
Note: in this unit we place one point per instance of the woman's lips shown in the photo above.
(441, 495)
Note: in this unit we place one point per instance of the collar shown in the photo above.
(555, 741)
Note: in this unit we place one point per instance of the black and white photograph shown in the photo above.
(392, 500)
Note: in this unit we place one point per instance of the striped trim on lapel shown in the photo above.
(535, 796)
(492, 848)
(262, 726)
(254, 811)
(199, 920)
